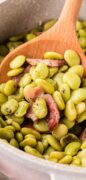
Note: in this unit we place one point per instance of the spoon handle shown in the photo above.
(70, 11)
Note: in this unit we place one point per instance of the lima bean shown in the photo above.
(71, 57)
(39, 108)
(9, 107)
(17, 62)
(48, 88)
(72, 79)
(70, 111)
(72, 148)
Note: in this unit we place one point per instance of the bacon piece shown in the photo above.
(54, 114)
(48, 62)
(32, 93)
(83, 135)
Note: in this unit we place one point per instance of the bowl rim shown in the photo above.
(35, 162)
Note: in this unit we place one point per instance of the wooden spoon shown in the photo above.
(60, 37)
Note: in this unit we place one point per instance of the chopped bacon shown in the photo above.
(48, 62)
(54, 114)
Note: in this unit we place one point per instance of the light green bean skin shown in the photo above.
(9, 107)
(82, 156)
(70, 111)
(82, 33)
(6, 134)
(48, 88)
(80, 108)
(19, 120)
(10, 127)
(16, 126)
(48, 152)
(72, 79)
(29, 136)
(65, 91)
(77, 69)
(40, 71)
(3, 99)
(40, 147)
(28, 141)
(63, 68)
(15, 72)
(83, 146)
(10, 87)
(53, 55)
(59, 100)
(66, 159)
(57, 155)
(26, 131)
(32, 151)
(84, 23)
(19, 137)
(2, 122)
(68, 138)
(41, 126)
(79, 25)
(58, 78)
(14, 143)
(17, 62)
(52, 71)
(52, 82)
(53, 142)
(68, 123)
(2, 87)
(30, 36)
(76, 161)
(45, 143)
(49, 24)
(71, 57)
(25, 80)
(81, 117)
(82, 41)
(60, 131)
(22, 109)
(78, 95)
(72, 148)
(39, 108)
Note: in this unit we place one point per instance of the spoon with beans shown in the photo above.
(59, 38)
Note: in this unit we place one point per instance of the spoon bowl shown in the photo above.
(60, 37)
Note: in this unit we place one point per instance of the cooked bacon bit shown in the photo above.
(32, 93)
(48, 62)
(31, 115)
(54, 114)
(83, 135)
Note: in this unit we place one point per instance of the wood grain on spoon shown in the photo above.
(60, 37)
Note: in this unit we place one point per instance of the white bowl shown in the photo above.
(18, 16)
